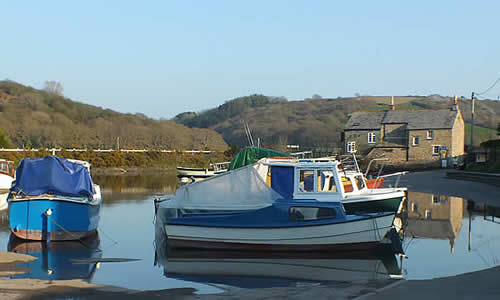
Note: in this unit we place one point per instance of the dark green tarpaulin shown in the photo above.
(252, 154)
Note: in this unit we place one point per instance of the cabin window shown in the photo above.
(326, 181)
(347, 183)
(371, 138)
(430, 134)
(306, 183)
(311, 213)
(416, 140)
(360, 183)
(351, 147)
(435, 149)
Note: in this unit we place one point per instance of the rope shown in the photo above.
(64, 229)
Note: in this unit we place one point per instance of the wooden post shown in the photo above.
(472, 120)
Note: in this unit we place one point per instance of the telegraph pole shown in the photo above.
(472, 120)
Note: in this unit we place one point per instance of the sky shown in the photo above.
(161, 58)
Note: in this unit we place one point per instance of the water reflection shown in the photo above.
(62, 260)
(434, 217)
(150, 182)
(439, 233)
(138, 187)
(258, 270)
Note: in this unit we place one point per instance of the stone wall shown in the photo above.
(458, 135)
(394, 133)
(394, 155)
(361, 139)
(423, 151)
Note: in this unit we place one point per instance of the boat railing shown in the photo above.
(397, 175)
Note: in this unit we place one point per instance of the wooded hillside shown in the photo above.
(318, 123)
(36, 118)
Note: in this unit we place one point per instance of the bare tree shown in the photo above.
(54, 87)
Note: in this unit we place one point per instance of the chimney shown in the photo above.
(392, 106)
(454, 107)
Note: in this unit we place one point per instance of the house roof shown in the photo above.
(415, 119)
(365, 120)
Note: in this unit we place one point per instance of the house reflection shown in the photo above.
(434, 216)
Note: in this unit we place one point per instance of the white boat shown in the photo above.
(201, 173)
(278, 204)
(7, 175)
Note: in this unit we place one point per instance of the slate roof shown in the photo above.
(365, 120)
(415, 119)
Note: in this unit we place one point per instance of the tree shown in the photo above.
(4, 141)
(54, 87)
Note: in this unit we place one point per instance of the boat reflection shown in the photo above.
(59, 260)
(264, 269)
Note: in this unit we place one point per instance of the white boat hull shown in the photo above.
(367, 232)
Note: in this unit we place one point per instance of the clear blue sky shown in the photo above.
(161, 58)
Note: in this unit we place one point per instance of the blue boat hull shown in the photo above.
(53, 219)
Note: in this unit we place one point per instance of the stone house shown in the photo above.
(406, 136)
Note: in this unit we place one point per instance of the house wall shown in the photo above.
(458, 136)
(395, 156)
(361, 139)
(423, 151)
(394, 133)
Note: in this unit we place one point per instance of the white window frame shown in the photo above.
(438, 147)
(299, 191)
(415, 138)
(351, 147)
(372, 138)
(430, 134)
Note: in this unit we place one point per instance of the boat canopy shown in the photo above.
(52, 175)
(252, 154)
(238, 189)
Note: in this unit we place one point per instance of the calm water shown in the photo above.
(442, 236)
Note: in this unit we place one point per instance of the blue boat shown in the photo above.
(53, 199)
(286, 225)
(276, 204)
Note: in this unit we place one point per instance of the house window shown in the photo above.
(351, 147)
(430, 134)
(435, 149)
(371, 138)
(416, 140)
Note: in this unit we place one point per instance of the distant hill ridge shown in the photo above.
(318, 123)
(39, 119)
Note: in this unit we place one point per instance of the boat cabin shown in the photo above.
(7, 167)
(320, 180)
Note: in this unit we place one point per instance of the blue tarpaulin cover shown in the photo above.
(52, 175)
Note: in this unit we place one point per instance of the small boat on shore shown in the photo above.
(53, 199)
(260, 206)
(283, 226)
(7, 173)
